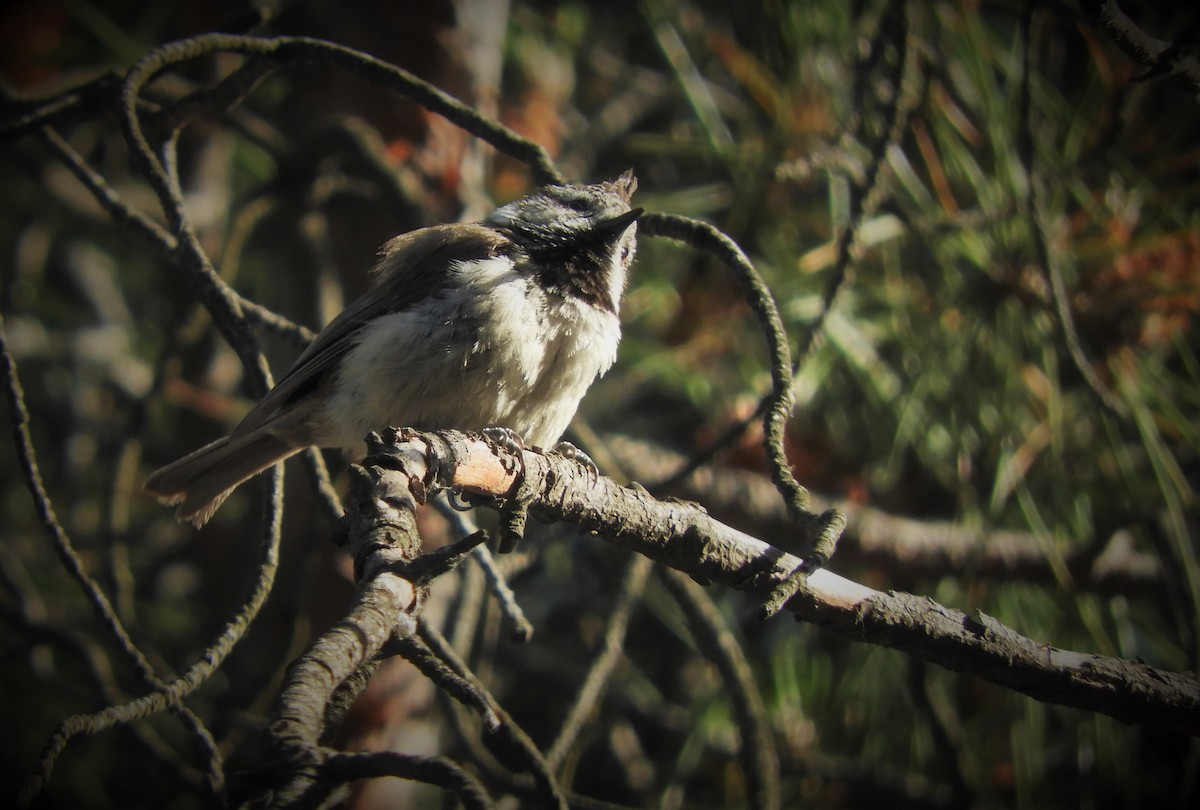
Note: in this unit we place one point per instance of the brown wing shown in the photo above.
(413, 266)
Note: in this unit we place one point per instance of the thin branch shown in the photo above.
(221, 97)
(345, 767)
(382, 537)
(296, 49)
(464, 525)
(27, 458)
(172, 693)
(705, 237)
(590, 695)
(507, 740)
(1179, 58)
(759, 760)
(121, 212)
(446, 674)
(212, 290)
(87, 101)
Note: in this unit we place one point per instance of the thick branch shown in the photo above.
(381, 535)
(683, 536)
(907, 549)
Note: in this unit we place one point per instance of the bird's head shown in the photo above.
(579, 240)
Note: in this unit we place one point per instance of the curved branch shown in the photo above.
(778, 404)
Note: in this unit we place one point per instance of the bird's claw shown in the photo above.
(507, 439)
(568, 450)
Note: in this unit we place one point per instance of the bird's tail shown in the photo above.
(200, 482)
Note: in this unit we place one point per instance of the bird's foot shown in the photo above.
(568, 450)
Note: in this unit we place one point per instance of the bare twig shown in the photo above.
(760, 763)
(591, 693)
(431, 770)
(1159, 56)
(506, 739)
(462, 522)
(169, 695)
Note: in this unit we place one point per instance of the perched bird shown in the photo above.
(500, 323)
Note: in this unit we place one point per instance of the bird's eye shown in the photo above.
(625, 253)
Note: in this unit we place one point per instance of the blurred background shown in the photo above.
(981, 227)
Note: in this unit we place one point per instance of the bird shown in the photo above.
(505, 322)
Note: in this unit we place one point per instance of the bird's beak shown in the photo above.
(617, 225)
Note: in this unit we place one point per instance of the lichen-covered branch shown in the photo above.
(380, 533)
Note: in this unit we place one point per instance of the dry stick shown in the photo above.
(416, 651)
(382, 610)
(707, 238)
(225, 95)
(759, 760)
(88, 101)
(522, 629)
(590, 696)
(507, 739)
(168, 694)
(321, 481)
(295, 49)
(118, 209)
(158, 237)
(346, 767)
(173, 692)
(383, 539)
(904, 547)
(684, 537)
(213, 292)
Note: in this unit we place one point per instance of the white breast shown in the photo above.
(493, 350)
